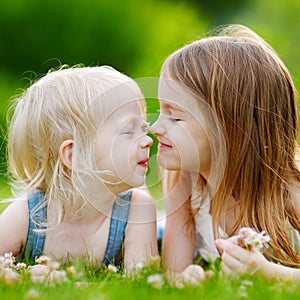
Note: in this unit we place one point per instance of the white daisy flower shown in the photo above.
(250, 239)
(156, 281)
(112, 268)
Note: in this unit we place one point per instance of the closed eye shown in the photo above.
(127, 131)
(173, 119)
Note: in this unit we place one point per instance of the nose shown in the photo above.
(157, 128)
(146, 142)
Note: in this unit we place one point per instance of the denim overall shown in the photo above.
(35, 240)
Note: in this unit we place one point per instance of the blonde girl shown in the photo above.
(77, 151)
(227, 135)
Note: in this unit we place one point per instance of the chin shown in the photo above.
(167, 164)
(138, 183)
(135, 181)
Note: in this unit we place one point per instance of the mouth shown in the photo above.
(164, 146)
(143, 163)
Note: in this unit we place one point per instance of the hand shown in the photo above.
(47, 275)
(39, 273)
(193, 275)
(236, 260)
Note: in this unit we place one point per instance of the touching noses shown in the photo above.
(157, 128)
(146, 142)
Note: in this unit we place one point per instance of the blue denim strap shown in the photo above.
(37, 219)
(118, 223)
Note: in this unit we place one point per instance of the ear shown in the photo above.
(65, 153)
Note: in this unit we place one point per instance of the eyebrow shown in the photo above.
(132, 120)
(170, 106)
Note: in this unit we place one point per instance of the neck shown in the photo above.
(101, 200)
(117, 189)
(97, 202)
(97, 205)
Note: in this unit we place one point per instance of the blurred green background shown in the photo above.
(134, 36)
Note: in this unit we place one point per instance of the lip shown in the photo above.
(143, 163)
(164, 145)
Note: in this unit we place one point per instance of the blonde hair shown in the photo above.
(69, 103)
(253, 97)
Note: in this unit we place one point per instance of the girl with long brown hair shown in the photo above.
(227, 135)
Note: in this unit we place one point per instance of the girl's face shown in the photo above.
(122, 146)
(181, 130)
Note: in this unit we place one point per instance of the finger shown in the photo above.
(209, 274)
(234, 250)
(37, 279)
(38, 267)
(232, 264)
(225, 269)
(38, 270)
(193, 275)
(233, 239)
(218, 244)
(190, 280)
(198, 274)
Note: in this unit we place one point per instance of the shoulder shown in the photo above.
(17, 206)
(141, 195)
(14, 226)
(142, 208)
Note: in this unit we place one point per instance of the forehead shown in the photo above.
(123, 112)
(118, 96)
(173, 95)
(128, 114)
(118, 100)
(128, 109)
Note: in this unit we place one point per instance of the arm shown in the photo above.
(13, 227)
(235, 259)
(140, 238)
(178, 247)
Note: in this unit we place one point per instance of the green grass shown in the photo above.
(5, 193)
(106, 285)
(115, 286)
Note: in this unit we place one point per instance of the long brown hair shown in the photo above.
(254, 100)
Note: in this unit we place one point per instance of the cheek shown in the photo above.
(184, 153)
(204, 151)
(189, 154)
(193, 148)
(122, 153)
(185, 141)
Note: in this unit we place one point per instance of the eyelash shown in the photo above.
(145, 128)
(172, 119)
